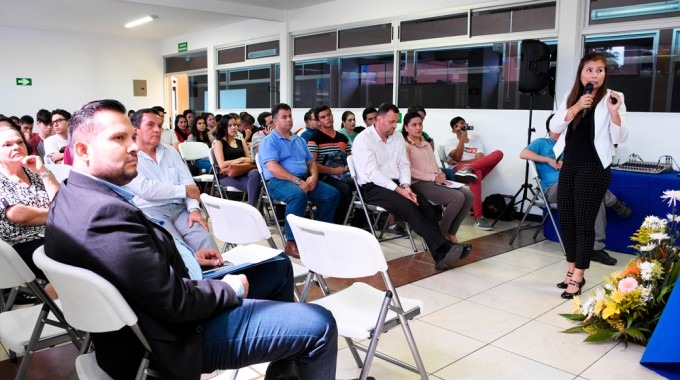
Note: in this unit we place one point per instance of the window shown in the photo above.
(366, 36)
(348, 82)
(477, 77)
(315, 43)
(232, 55)
(517, 19)
(198, 93)
(250, 87)
(186, 62)
(642, 66)
(609, 11)
(446, 26)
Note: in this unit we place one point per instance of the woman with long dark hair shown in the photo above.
(181, 128)
(230, 151)
(591, 119)
(199, 133)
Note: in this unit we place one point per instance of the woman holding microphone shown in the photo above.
(591, 119)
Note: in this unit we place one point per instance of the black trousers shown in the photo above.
(580, 190)
(345, 188)
(25, 250)
(422, 217)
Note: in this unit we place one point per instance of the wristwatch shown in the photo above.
(45, 174)
(298, 181)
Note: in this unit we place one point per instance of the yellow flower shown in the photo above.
(576, 305)
(617, 296)
(611, 308)
(599, 305)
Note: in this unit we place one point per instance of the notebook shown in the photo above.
(242, 257)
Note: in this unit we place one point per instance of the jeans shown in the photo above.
(250, 183)
(269, 326)
(324, 196)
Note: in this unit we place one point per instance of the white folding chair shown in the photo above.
(192, 151)
(92, 304)
(359, 203)
(60, 172)
(216, 178)
(540, 200)
(30, 329)
(238, 223)
(361, 311)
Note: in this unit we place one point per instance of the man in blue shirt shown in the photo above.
(291, 174)
(541, 152)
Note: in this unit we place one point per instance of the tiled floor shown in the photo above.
(493, 318)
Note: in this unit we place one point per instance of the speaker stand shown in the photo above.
(526, 188)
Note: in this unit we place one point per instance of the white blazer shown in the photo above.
(606, 132)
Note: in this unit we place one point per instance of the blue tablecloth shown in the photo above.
(661, 354)
(642, 192)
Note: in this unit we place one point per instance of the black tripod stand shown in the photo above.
(526, 187)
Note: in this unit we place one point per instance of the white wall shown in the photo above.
(70, 69)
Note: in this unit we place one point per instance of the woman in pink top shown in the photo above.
(428, 179)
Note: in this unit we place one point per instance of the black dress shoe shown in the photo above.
(567, 296)
(23, 299)
(601, 256)
(282, 370)
(455, 252)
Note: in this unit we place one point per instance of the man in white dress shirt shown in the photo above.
(384, 174)
(164, 188)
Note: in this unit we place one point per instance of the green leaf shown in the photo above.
(574, 317)
(600, 336)
(636, 334)
(572, 330)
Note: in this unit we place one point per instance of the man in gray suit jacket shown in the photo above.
(193, 326)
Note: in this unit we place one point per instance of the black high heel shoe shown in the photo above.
(562, 284)
(566, 295)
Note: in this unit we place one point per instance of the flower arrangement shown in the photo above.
(632, 300)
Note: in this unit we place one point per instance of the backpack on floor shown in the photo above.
(494, 204)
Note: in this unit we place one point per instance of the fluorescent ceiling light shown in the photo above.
(140, 21)
(636, 10)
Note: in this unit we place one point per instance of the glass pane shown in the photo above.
(480, 77)
(447, 26)
(198, 93)
(232, 55)
(264, 49)
(186, 62)
(247, 87)
(518, 19)
(630, 68)
(608, 11)
(366, 81)
(315, 83)
(369, 35)
(315, 43)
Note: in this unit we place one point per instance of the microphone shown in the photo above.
(588, 90)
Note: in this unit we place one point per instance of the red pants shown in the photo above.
(481, 167)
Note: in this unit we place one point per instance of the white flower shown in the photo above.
(646, 293)
(588, 307)
(654, 223)
(673, 218)
(646, 269)
(609, 286)
(648, 247)
(671, 196)
(659, 236)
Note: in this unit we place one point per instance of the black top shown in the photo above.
(579, 141)
(233, 153)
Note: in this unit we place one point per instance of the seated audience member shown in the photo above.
(27, 188)
(190, 115)
(292, 175)
(44, 121)
(349, 126)
(541, 152)
(247, 126)
(210, 123)
(161, 113)
(164, 188)
(369, 115)
(15, 120)
(54, 145)
(429, 180)
(266, 126)
(466, 156)
(26, 124)
(382, 170)
(193, 326)
(199, 133)
(330, 149)
(311, 124)
(421, 111)
(231, 152)
(182, 128)
(169, 137)
(131, 113)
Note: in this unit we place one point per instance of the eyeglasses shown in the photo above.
(57, 121)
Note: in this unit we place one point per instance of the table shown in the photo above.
(642, 193)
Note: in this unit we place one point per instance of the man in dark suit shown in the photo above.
(193, 326)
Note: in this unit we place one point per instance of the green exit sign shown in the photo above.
(182, 47)
(24, 82)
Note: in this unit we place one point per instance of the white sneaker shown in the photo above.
(465, 175)
(483, 224)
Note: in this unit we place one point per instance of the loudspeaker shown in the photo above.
(534, 69)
